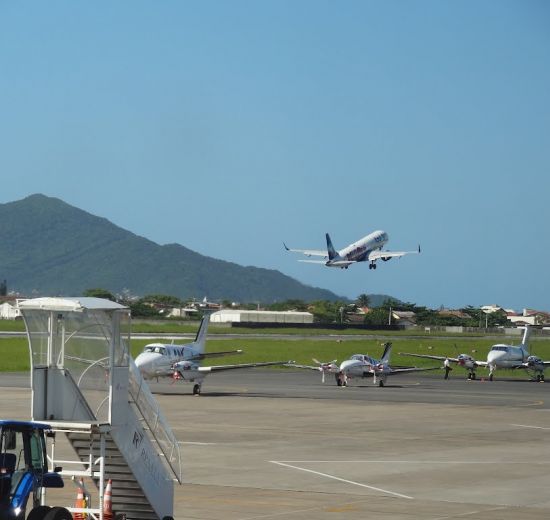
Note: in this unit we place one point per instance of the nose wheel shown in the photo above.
(372, 265)
(196, 389)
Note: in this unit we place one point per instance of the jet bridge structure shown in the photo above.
(86, 385)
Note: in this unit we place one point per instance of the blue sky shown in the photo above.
(229, 127)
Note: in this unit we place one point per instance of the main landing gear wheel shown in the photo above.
(197, 389)
(38, 513)
(58, 513)
(490, 377)
(380, 383)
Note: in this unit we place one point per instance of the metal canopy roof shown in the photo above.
(76, 304)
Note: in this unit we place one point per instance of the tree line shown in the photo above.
(324, 311)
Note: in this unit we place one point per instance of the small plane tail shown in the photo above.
(526, 335)
(200, 339)
(330, 249)
(386, 354)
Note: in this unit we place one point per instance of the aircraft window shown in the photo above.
(149, 349)
(357, 356)
(501, 349)
(160, 350)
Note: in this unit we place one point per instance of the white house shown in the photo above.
(9, 311)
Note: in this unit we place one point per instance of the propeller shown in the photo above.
(325, 367)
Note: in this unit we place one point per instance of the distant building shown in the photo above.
(403, 319)
(9, 309)
(455, 313)
(244, 316)
(530, 317)
(181, 312)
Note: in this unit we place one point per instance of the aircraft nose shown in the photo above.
(145, 362)
(345, 365)
(494, 356)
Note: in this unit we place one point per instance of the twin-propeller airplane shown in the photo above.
(367, 249)
(182, 362)
(362, 365)
(500, 356)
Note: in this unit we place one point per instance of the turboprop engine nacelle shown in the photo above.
(186, 370)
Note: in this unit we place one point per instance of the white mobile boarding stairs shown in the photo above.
(86, 385)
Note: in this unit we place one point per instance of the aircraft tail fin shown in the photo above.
(386, 354)
(526, 335)
(200, 339)
(330, 249)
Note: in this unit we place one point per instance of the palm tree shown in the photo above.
(363, 300)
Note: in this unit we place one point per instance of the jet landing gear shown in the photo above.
(540, 378)
(197, 389)
(471, 376)
(372, 265)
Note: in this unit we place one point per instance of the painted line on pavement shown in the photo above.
(385, 491)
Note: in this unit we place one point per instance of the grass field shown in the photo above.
(14, 353)
(190, 327)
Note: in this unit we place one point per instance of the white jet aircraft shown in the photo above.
(362, 365)
(182, 362)
(367, 249)
(503, 356)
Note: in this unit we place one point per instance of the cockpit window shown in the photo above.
(501, 349)
(155, 349)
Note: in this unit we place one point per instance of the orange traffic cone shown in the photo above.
(80, 501)
(108, 501)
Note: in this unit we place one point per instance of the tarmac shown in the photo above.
(271, 444)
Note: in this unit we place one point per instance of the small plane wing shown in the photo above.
(394, 371)
(313, 261)
(220, 368)
(428, 356)
(305, 367)
(377, 255)
(525, 364)
(307, 252)
(205, 355)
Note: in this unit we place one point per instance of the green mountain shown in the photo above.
(51, 248)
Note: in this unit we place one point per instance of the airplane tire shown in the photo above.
(473, 376)
(491, 377)
(38, 513)
(380, 383)
(196, 389)
(58, 513)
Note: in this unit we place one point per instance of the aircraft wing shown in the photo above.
(313, 261)
(342, 263)
(307, 252)
(381, 255)
(220, 368)
(526, 365)
(305, 367)
(394, 371)
(429, 356)
(205, 355)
